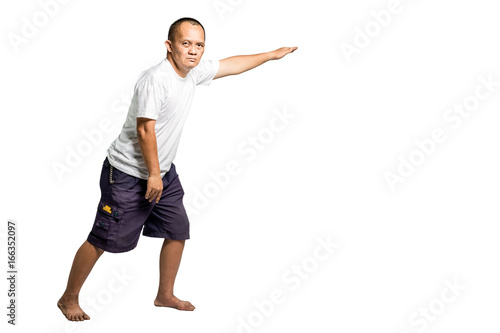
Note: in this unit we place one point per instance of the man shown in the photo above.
(139, 184)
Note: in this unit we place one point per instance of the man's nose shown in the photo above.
(192, 49)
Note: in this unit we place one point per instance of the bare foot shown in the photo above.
(174, 302)
(71, 309)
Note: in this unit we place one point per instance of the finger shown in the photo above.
(155, 196)
(151, 195)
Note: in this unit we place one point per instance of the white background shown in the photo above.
(321, 176)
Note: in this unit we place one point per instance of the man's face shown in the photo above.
(188, 46)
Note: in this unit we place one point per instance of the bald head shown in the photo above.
(173, 32)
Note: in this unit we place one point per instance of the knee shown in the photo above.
(178, 241)
(98, 250)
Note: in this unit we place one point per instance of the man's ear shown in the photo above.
(168, 44)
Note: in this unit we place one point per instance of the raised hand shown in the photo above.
(281, 52)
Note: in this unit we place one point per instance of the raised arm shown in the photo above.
(239, 64)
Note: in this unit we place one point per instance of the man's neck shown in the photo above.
(177, 69)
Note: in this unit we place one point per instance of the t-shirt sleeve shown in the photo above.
(149, 96)
(205, 71)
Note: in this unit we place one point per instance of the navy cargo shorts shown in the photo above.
(123, 211)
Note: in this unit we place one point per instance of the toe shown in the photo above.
(188, 306)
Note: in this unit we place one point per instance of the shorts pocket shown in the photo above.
(107, 221)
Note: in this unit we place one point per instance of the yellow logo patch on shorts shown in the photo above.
(106, 208)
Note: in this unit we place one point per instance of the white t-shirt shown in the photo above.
(160, 94)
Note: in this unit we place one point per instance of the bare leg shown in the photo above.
(84, 261)
(170, 259)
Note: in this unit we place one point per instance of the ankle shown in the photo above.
(165, 294)
(68, 296)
